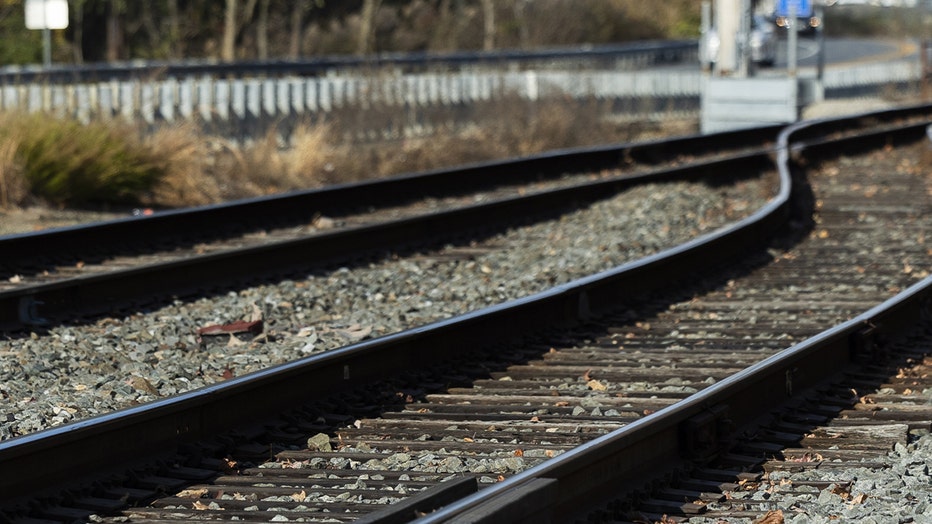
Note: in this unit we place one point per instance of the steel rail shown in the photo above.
(97, 293)
(115, 236)
(93, 294)
(59, 455)
(628, 458)
(164, 226)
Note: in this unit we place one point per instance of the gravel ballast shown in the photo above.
(75, 372)
(895, 489)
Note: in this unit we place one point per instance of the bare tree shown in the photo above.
(446, 34)
(148, 20)
(262, 31)
(175, 45)
(488, 18)
(299, 12)
(78, 28)
(228, 47)
(521, 19)
(366, 42)
(233, 24)
(297, 29)
(114, 30)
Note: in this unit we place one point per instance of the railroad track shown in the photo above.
(820, 449)
(98, 268)
(467, 406)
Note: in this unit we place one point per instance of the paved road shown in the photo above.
(839, 51)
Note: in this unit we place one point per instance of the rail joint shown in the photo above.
(29, 312)
(703, 436)
(865, 343)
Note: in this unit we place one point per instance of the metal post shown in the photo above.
(791, 40)
(924, 49)
(728, 27)
(924, 58)
(47, 47)
(820, 40)
(744, 40)
(705, 27)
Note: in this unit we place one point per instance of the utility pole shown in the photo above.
(705, 31)
(726, 25)
(792, 38)
(733, 26)
(819, 10)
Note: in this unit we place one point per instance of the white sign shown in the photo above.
(46, 14)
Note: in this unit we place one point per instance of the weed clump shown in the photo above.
(67, 163)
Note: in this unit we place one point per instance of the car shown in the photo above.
(763, 43)
(807, 25)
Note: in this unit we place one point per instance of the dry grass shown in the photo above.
(69, 164)
(322, 154)
(184, 151)
(198, 169)
(13, 188)
(272, 166)
(204, 169)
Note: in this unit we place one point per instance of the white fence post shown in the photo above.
(167, 99)
(325, 94)
(297, 96)
(127, 99)
(268, 97)
(265, 98)
(207, 102)
(147, 102)
(186, 98)
(82, 99)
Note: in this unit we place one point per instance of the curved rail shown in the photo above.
(111, 236)
(91, 294)
(614, 463)
(57, 455)
(620, 461)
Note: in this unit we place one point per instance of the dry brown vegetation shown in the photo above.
(66, 163)
(111, 164)
(194, 168)
(13, 187)
(206, 169)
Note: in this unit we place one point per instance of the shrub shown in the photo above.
(13, 190)
(67, 163)
(188, 157)
(179, 165)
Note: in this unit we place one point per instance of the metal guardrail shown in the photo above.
(626, 56)
(856, 80)
(246, 97)
(215, 98)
